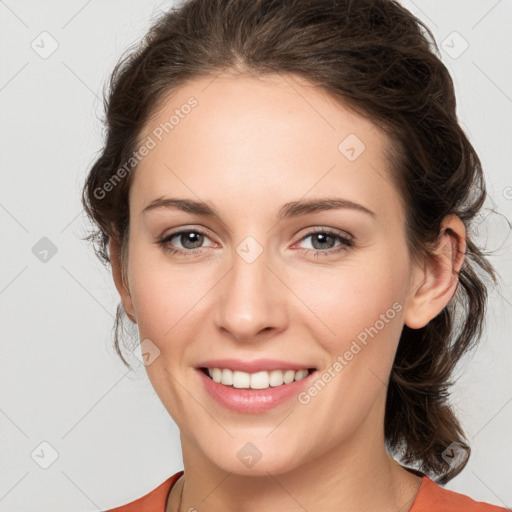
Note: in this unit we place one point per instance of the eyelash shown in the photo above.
(345, 242)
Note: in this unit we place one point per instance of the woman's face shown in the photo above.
(265, 278)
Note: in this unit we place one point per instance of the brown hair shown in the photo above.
(380, 60)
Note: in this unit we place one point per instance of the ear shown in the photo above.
(122, 288)
(435, 284)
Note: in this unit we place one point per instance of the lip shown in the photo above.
(258, 365)
(253, 401)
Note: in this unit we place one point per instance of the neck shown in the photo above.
(357, 474)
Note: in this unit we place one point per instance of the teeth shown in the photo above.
(226, 377)
(259, 380)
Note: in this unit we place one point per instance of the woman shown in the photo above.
(285, 197)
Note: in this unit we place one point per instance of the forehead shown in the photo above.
(253, 139)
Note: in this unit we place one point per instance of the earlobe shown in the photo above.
(121, 286)
(436, 283)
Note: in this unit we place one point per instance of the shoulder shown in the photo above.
(154, 501)
(432, 496)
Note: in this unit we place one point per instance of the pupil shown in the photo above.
(189, 238)
(322, 237)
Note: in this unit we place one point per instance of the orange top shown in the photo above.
(430, 498)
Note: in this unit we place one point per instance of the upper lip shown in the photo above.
(254, 366)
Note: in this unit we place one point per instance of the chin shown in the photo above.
(250, 458)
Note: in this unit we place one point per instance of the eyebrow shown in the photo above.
(288, 210)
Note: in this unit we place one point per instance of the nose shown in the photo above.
(251, 303)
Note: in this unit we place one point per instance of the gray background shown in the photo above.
(60, 381)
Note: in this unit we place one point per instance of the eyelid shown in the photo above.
(186, 228)
(312, 230)
(327, 230)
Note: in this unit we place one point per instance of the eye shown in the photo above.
(191, 240)
(323, 242)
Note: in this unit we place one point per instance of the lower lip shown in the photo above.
(253, 401)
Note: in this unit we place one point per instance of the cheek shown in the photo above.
(357, 322)
(355, 311)
(352, 296)
(157, 294)
(169, 301)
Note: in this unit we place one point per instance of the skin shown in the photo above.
(250, 146)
